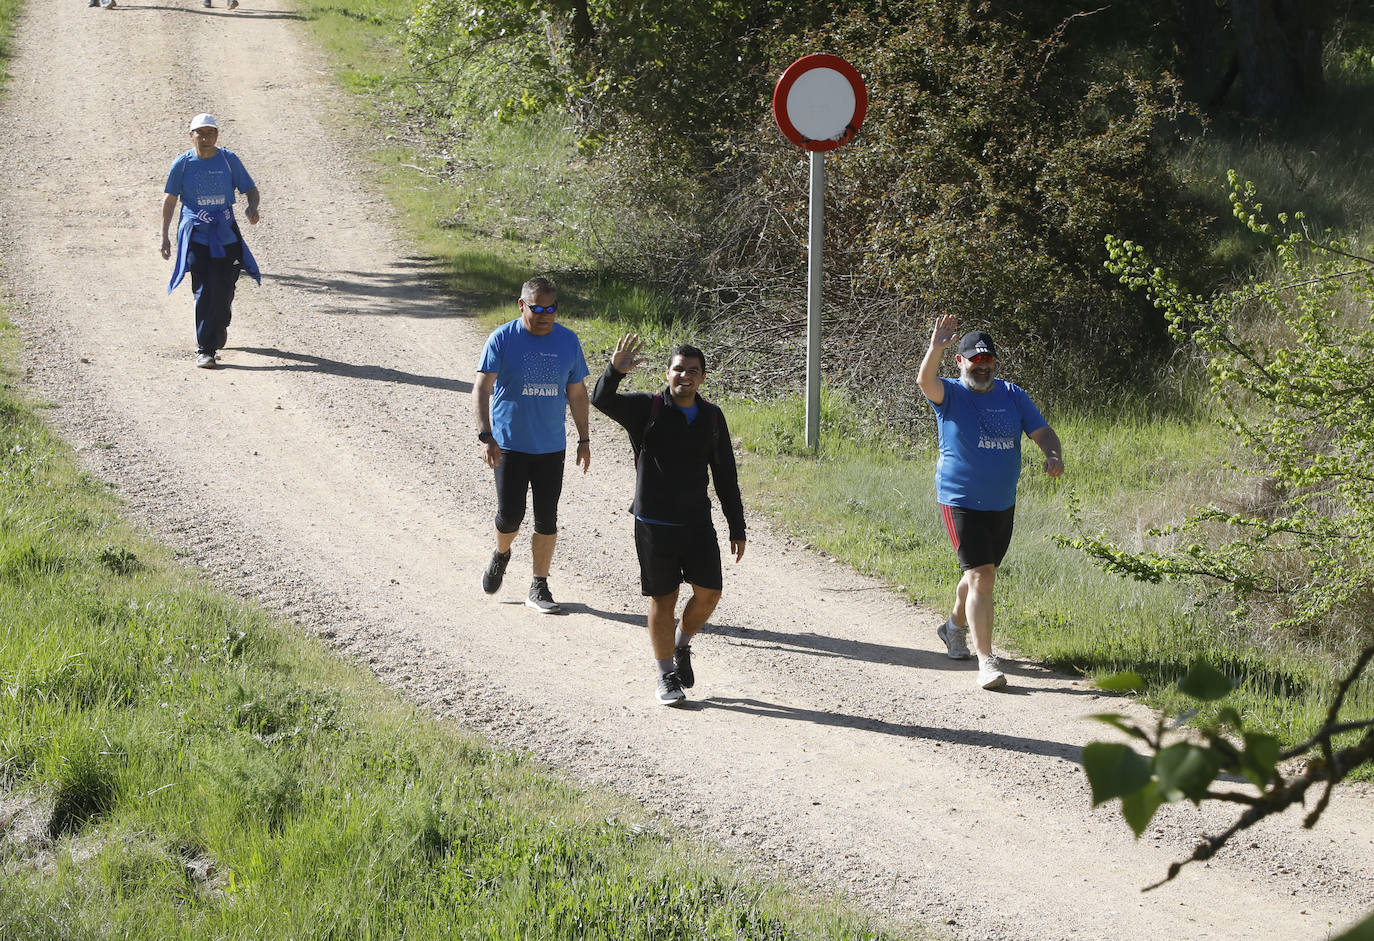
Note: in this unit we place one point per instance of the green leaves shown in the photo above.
(1205, 682)
(1139, 807)
(1179, 770)
(1184, 770)
(1114, 770)
(1260, 758)
(1290, 358)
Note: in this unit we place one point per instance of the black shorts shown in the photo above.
(671, 555)
(980, 537)
(539, 475)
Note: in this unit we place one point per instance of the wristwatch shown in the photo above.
(486, 437)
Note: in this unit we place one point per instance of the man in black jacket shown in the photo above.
(676, 436)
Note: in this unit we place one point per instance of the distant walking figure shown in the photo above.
(531, 374)
(677, 437)
(980, 420)
(209, 245)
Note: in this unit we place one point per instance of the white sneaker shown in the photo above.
(955, 638)
(990, 675)
(205, 360)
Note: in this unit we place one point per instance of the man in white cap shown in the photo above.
(980, 420)
(209, 245)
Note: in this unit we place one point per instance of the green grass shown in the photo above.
(875, 508)
(189, 766)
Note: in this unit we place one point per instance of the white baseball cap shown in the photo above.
(203, 120)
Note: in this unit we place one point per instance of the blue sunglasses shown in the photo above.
(536, 309)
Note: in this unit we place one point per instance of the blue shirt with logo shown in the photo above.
(980, 443)
(532, 378)
(207, 184)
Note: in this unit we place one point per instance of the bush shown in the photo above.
(996, 157)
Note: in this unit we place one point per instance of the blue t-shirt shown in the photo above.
(980, 443)
(532, 378)
(208, 183)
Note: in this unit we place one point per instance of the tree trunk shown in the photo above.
(1206, 51)
(1278, 52)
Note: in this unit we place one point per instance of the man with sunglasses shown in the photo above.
(980, 420)
(532, 372)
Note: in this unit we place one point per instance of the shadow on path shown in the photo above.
(194, 6)
(968, 737)
(409, 288)
(304, 362)
(821, 645)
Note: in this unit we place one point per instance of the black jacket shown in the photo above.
(673, 456)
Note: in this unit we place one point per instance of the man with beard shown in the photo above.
(979, 419)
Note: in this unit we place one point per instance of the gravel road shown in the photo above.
(330, 470)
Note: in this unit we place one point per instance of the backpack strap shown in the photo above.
(656, 408)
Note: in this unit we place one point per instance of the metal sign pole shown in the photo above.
(819, 103)
(814, 248)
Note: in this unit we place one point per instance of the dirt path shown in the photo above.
(330, 469)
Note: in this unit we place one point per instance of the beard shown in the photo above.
(977, 385)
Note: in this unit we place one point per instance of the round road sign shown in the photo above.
(820, 102)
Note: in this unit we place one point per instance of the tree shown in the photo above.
(1183, 766)
(1271, 49)
(1299, 397)
(1291, 359)
(984, 184)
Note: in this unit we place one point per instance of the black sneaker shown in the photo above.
(682, 666)
(496, 571)
(670, 688)
(540, 598)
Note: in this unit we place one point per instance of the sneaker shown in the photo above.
(670, 688)
(955, 638)
(496, 571)
(990, 675)
(682, 666)
(108, 4)
(233, 4)
(92, 3)
(540, 598)
(205, 3)
(205, 360)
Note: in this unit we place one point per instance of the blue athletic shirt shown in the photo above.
(980, 444)
(207, 184)
(532, 377)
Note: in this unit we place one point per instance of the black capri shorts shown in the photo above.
(540, 475)
(671, 555)
(980, 537)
